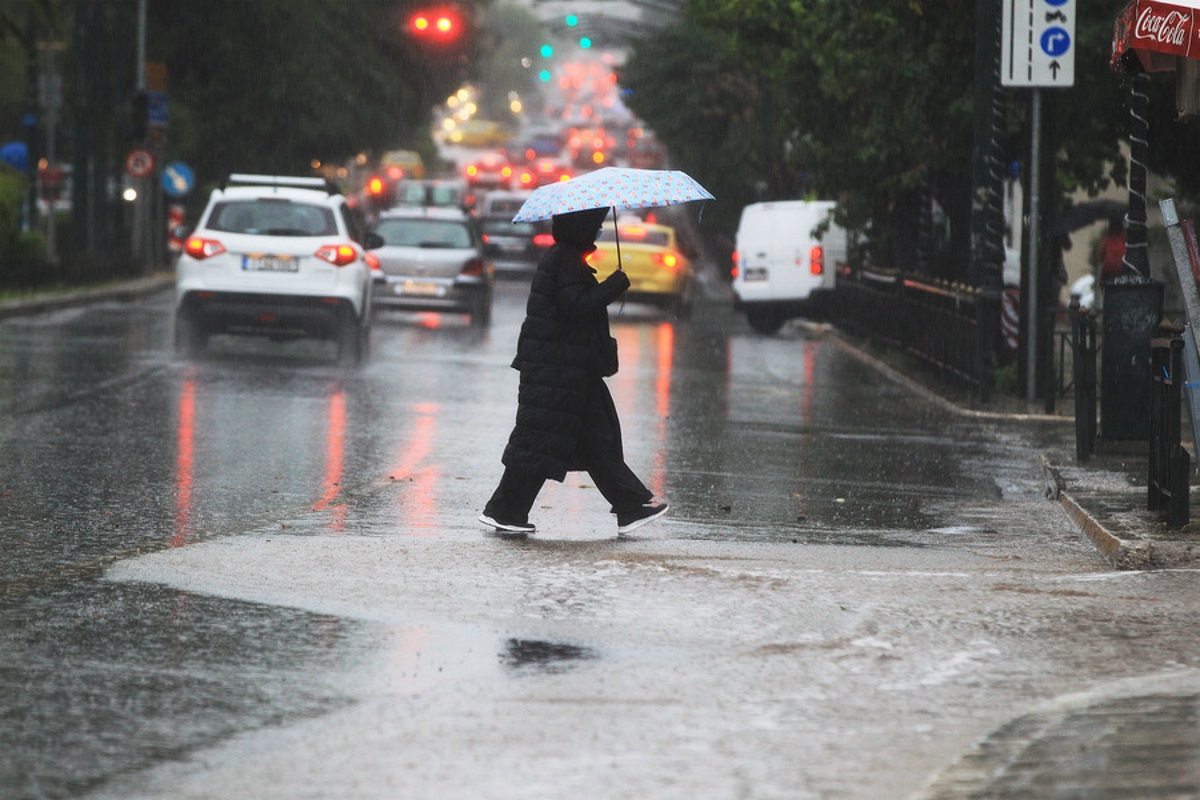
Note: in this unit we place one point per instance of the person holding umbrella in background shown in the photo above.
(566, 419)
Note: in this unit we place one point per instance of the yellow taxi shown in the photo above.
(659, 272)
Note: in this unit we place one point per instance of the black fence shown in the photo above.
(935, 321)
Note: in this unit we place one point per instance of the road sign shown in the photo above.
(1038, 43)
(139, 163)
(178, 179)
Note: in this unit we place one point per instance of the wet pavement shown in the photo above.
(1132, 737)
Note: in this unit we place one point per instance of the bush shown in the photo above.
(12, 189)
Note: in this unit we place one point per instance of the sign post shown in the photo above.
(1038, 51)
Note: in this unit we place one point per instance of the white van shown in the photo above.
(783, 269)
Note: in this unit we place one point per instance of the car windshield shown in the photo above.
(425, 195)
(502, 227)
(425, 233)
(636, 236)
(273, 218)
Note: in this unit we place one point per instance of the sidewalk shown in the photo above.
(40, 302)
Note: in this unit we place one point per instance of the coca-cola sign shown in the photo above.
(1149, 35)
(1164, 27)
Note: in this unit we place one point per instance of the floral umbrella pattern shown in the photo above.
(619, 188)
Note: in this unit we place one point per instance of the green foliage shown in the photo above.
(702, 104)
(271, 85)
(873, 104)
(12, 188)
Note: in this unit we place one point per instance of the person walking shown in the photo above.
(566, 419)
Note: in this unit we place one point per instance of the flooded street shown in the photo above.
(261, 575)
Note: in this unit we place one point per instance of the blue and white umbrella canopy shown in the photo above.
(618, 188)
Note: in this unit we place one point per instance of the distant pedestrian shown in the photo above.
(566, 419)
(1109, 257)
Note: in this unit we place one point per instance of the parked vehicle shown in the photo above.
(785, 261)
(431, 259)
(276, 256)
(659, 272)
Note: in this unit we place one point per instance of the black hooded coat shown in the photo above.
(566, 322)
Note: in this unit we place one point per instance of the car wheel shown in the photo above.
(350, 338)
(481, 313)
(191, 339)
(764, 322)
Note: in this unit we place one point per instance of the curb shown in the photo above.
(125, 290)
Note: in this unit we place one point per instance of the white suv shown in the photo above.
(275, 256)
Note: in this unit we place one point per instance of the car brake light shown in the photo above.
(816, 260)
(372, 262)
(473, 267)
(668, 260)
(472, 171)
(395, 173)
(201, 249)
(337, 254)
(486, 237)
(526, 178)
(543, 240)
(375, 186)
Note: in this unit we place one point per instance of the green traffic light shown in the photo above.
(544, 76)
(547, 51)
(572, 20)
(585, 43)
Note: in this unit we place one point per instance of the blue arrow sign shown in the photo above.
(178, 179)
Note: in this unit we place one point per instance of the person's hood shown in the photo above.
(578, 228)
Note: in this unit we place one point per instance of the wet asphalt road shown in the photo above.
(259, 570)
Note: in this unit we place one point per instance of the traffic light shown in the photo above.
(437, 25)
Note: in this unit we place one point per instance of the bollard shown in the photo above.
(1083, 369)
(1168, 464)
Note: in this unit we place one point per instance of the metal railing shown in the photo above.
(935, 321)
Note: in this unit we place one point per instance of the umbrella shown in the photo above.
(618, 188)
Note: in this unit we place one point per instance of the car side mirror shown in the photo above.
(373, 241)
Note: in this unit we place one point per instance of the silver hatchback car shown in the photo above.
(431, 259)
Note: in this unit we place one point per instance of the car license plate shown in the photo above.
(271, 263)
(756, 274)
(418, 289)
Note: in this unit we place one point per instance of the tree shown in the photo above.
(272, 85)
(872, 104)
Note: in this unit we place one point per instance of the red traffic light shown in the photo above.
(441, 24)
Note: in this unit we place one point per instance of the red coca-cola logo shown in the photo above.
(1171, 28)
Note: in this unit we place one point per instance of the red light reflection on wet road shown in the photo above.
(335, 461)
(185, 437)
(419, 477)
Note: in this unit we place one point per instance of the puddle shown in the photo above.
(541, 656)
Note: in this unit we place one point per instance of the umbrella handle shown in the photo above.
(617, 237)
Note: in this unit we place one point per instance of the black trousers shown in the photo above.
(598, 452)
